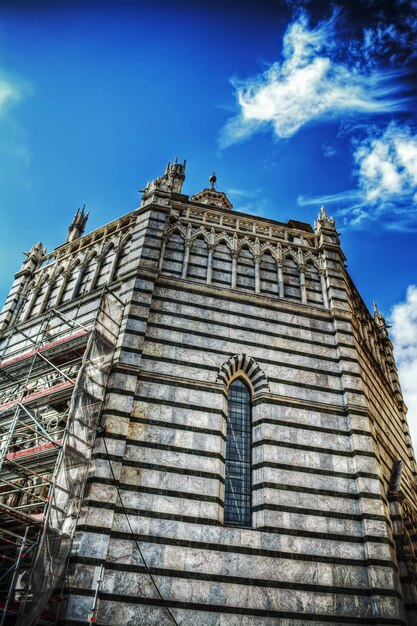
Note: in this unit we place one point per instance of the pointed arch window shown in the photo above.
(237, 498)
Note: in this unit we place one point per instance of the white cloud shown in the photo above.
(386, 170)
(387, 166)
(10, 92)
(404, 336)
(309, 84)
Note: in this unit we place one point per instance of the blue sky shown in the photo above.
(293, 104)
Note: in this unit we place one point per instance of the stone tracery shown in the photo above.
(244, 262)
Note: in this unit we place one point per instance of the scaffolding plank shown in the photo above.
(28, 520)
(39, 394)
(34, 450)
(44, 349)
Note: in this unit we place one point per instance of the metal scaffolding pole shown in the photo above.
(14, 579)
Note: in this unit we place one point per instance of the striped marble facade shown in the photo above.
(211, 295)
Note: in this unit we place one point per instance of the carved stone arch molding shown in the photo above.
(312, 259)
(248, 243)
(223, 238)
(288, 253)
(176, 228)
(125, 238)
(200, 232)
(267, 247)
(242, 363)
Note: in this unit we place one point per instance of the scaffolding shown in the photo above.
(51, 393)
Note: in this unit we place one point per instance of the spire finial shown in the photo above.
(212, 180)
(211, 196)
(78, 223)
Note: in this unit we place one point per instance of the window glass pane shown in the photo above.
(237, 501)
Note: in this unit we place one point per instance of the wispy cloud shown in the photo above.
(385, 164)
(403, 318)
(343, 197)
(329, 151)
(296, 4)
(7, 93)
(11, 90)
(347, 206)
(13, 145)
(310, 84)
(244, 193)
(392, 40)
(249, 201)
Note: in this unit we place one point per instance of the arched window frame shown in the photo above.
(244, 367)
(238, 479)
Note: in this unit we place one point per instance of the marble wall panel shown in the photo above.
(315, 439)
(314, 459)
(174, 458)
(311, 480)
(179, 415)
(157, 479)
(165, 390)
(169, 504)
(175, 437)
(318, 502)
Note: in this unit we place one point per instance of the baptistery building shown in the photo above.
(201, 424)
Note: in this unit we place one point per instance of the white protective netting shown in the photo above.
(73, 463)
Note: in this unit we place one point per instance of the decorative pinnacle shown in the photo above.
(78, 223)
(81, 216)
(212, 180)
